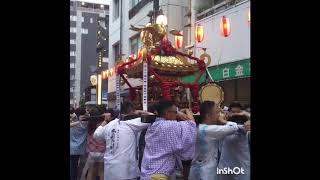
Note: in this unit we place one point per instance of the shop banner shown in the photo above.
(234, 70)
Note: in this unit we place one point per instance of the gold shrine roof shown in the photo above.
(164, 65)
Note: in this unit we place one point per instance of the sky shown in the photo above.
(97, 1)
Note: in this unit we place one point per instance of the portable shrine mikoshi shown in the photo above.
(161, 66)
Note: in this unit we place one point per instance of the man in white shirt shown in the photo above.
(120, 162)
(204, 164)
(235, 152)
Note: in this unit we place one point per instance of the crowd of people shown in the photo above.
(105, 144)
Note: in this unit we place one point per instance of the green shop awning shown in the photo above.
(234, 70)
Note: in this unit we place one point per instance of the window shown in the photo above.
(72, 41)
(105, 60)
(134, 2)
(71, 89)
(116, 9)
(91, 20)
(116, 52)
(84, 31)
(72, 53)
(73, 18)
(137, 5)
(82, 19)
(213, 7)
(107, 20)
(93, 93)
(134, 45)
(72, 30)
(72, 65)
(93, 97)
(106, 52)
(218, 1)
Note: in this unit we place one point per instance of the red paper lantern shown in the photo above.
(179, 40)
(225, 26)
(103, 75)
(126, 66)
(199, 33)
(107, 73)
(111, 72)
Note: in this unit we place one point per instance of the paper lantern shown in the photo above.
(111, 71)
(179, 40)
(127, 60)
(225, 26)
(199, 33)
(104, 76)
(93, 80)
(162, 20)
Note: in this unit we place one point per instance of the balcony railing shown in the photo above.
(218, 8)
(137, 8)
(90, 10)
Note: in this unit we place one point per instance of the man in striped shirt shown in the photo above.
(168, 140)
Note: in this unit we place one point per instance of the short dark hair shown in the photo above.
(102, 108)
(112, 112)
(205, 108)
(80, 111)
(71, 110)
(93, 121)
(127, 107)
(235, 104)
(153, 108)
(89, 107)
(94, 111)
(163, 106)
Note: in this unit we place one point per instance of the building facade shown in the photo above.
(230, 65)
(86, 19)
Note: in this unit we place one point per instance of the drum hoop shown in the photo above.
(215, 85)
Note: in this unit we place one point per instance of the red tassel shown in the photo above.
(195, 97)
